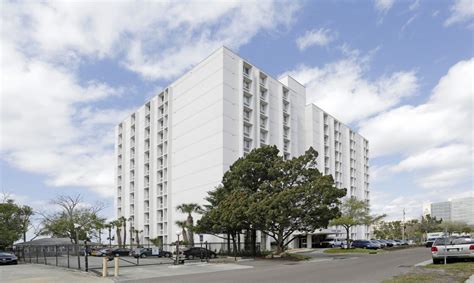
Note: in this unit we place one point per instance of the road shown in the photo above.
(351, 268)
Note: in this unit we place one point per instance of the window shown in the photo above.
(246, 115)
(247, 130)
(246, 70)
(247, 144)
(247, 100)
(246, 85)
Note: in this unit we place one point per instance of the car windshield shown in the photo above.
(453, 241)
(5, 254)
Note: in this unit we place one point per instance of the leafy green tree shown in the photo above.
(261, 191)
(189, 208)
(388, 230)
(354, 212)
(429, 224)
(453, 226)
(73, 220)
(10, 223)
(297, 198)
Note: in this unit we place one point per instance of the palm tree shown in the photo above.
(189, 208)
(182, 225)
(123, 222)
(118, 226)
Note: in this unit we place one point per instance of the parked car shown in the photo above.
(197, 252)
(145, 252)
(101, 252)
(332, 243)
(118, 252)
(452, 248)
(430, 241)
(8, 258)
(365, 244)
(380, 242)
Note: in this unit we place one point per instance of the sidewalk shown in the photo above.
(39, 273)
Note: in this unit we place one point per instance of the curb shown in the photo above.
(424, 263)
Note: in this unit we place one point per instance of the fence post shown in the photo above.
(86, 257)
(37, 256)
(78, 256)
(105, 268)
(56, 253)
(44, 256)
(116, 266)
(68, 256)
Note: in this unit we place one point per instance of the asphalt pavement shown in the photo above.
(365, 268)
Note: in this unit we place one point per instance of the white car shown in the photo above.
(452, 248)
(332, 243)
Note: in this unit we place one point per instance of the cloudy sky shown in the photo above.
(399, 72)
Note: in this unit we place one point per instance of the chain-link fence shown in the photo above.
(90, 257)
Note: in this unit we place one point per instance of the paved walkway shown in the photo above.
(39, 273)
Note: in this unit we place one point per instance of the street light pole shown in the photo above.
(178, 233)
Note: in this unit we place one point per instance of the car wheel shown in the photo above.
(143, 255)
(191, 257)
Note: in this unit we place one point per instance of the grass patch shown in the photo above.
(451, 272)
(351, 251)
(295, 257)
(467, 267)
(412, 278)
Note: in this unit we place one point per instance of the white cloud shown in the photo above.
(45, 129)
(343, 85)
(415, 5)
(320, 37)
(434, 139)
(383, 6)
(52, 121)
(154, 39)
(461, 11)
(445, 118)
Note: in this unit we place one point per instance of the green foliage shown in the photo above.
(158, 241)
(73, 221)
(430, 224)
(278, 197)
(455, 227)
(14, 222)
(354, 212)
(388, 230)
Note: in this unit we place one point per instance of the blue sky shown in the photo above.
(400, 72)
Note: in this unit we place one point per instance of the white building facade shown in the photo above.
(459, 210)
(176, 147)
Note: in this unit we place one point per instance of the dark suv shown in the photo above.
(197, 252)
(364, 244)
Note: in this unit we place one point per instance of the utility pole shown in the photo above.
(403, 225)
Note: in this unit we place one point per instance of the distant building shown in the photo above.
(461, 210)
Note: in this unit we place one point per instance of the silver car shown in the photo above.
(452, 248)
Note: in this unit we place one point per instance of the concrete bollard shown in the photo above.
(105, 267)
(116, 269)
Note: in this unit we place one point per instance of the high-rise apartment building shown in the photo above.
(176, 147)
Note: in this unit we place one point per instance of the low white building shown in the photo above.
(177, 146)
